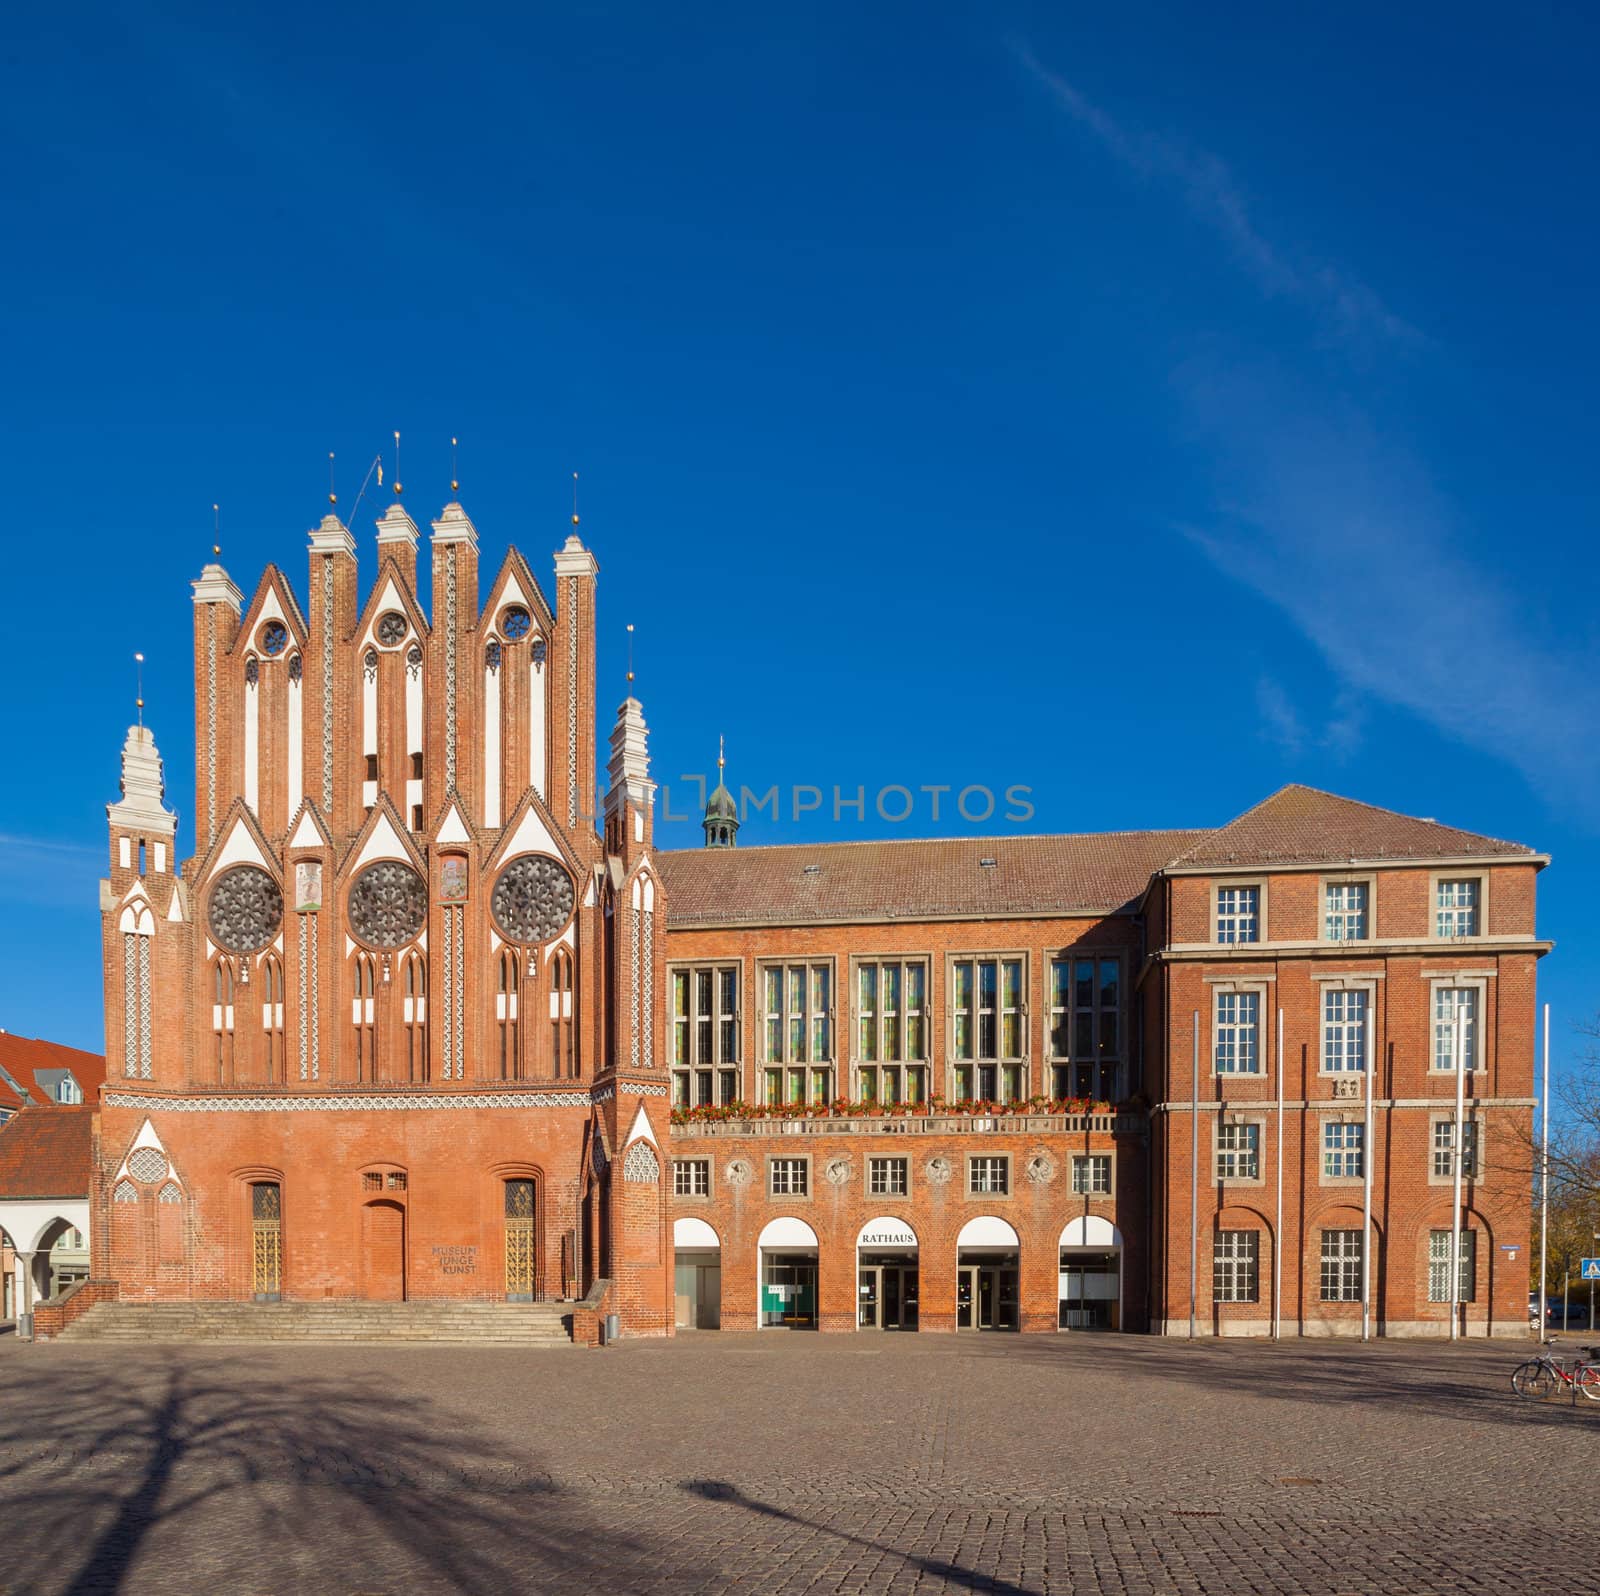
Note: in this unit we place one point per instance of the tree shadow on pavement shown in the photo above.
(189, 1474)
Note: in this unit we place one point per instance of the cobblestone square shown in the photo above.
(791, 1463)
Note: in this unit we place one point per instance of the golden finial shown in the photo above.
(630, 623)
(455, 486)
(722, 759)
(397, 488)
(575, 521)
(216, 531)
(333, 498)
(138, 660)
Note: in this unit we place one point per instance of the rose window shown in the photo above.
(533, 898)
(274, 639)
(388, 904)
(147, 1164)
(392, 629)
(246, 909)
(515, 622)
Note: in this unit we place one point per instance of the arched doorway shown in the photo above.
(1090, 1296)
(697, 1275)
(383, 1251)
(788, 1291)
(886, 1275)
(521, 1239)
(266, 1241)
(988, 1257)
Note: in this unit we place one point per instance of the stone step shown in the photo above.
(510, 1324)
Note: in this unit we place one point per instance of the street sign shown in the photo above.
(1591, 1269)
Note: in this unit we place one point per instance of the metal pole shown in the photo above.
(1277, 1223)
(1367, 1061)
(1460, 1052)
(1194, 1180)
(1544, 1182)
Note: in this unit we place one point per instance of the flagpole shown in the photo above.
(1277, 1223)
(1460, 1051)
(1367, 1061)
(1544, 1178)
(1194, 1180)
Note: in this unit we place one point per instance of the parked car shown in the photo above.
(1561, 1314)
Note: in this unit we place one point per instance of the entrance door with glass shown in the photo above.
(986, 1295)
(1089, 1290)
(886, 1295)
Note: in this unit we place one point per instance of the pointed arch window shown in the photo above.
(564, 1031)
(416, 1016)
(272, 1014)
(505, 1004)
(364, 1015)
(222, 1017)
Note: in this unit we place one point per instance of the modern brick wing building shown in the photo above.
(420, 1021)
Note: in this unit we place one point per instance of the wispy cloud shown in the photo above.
(47, 845)
(1280, 720)
(1212, 192)
(1344, 534)
(1282, 723)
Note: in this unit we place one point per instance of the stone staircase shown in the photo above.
(521, 1324)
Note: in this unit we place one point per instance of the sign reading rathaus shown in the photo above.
(409, 1026)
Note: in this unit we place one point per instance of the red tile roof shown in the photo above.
(47, 1152)
(22, 1056)
(1094, 873)
(1302, 825)
(848, 882)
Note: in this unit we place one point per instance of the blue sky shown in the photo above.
(1090, 399)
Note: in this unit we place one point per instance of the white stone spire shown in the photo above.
(143, 787)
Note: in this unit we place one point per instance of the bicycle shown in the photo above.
(1542, 1377)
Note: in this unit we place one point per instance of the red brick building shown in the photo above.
(418, 1021)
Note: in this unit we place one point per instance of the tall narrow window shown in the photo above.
(506, 1018)
(705, 1035)
(1237, 1046)
(1344, 1031)
(1456, 908)
(363, 1014)
(1448, 1001)
(1236, 1266)
(563, 1028)
(1439, 1267)
(222, 1017)
(272, 1015)
(988, 1007)
(1342, 1151)
(1086, 1031)
(1341, 1266)
(891, 1031)
(415, 1016)
(1238, 1151)
(797, 1033)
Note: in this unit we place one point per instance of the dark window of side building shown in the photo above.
(1086, 1027)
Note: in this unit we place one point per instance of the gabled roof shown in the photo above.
(22, 1058)
(47, 1152)
(1302, 825)
(1099, 873)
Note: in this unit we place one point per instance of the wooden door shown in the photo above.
(383, 1252)
(519, 1212)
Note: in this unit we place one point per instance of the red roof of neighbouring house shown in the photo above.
(22, 1058)
(47, 1151)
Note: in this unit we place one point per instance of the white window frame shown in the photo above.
(726, 1073)
(1347, 1263)
(702, 1179)
(790, 1165)
(1343, 986)
(908, 1077)
(1349, 1147)
(990, 1162)
(1228, 885)
(1226, 1159)
(806, 1079)
(1441, 1049)
(1443, 1147)
(1439, 1267)
(1085, 1166)
(1011, 1071)
(1437, 881)
(889, 1160)
(1232, 1265)
(1232, 989)
(1330, 884)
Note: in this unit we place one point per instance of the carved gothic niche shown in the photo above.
(532, 899)
(414, 659)
(388, 904)
(245, 909)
